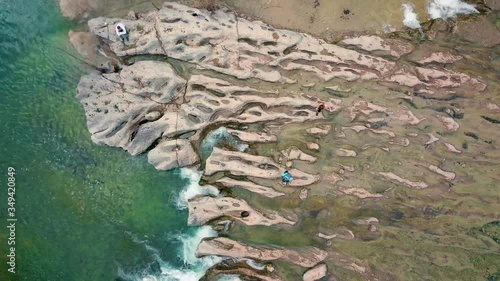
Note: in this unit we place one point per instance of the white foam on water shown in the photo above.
(222, 135)
(190, 244)
(446, 9)
(193, 269)
(254, 264)
(193, 188)
(410, 17)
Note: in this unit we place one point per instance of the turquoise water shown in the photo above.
(85, 212)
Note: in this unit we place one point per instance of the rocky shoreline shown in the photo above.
(256, 81)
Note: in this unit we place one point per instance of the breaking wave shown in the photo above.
(410, 17)
(446, 9)
(193, 187)
(193, 268)
(221, 136)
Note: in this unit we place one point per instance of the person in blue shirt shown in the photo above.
(286, 177)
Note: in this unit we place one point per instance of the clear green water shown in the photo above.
(85, 212)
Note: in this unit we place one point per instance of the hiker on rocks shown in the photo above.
(286, 177)
(121, 31)
(320, 107)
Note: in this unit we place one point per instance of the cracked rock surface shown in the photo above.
(392, 130)
(307, 257)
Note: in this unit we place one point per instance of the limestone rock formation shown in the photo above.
(448, 122)
(172, 154)
(344, 152)
(204, 209)
(241, 48)
(372, 43)
(395, 178)
(303, 194)
(220, 246)
(148, 101)
(228, 267)
(366, 221)
(445, 174)
(246, 136)
(191, 71)
(360, 193)
(313, 146)
(451, 148)
(315, 273)
(243, 164)
(294, 153)
(440, 57)
(116, 104)
(251, 186)
(319, 130)
(338, 233)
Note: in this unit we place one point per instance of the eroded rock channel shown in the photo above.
(402, 152)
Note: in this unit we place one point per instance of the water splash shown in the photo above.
(193, 268)
(254, 264)
(221, 136)
(410, 17)
(446, 9)
(193, 187)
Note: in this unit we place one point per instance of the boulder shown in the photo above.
(343, 152)
(315, 273)
(303, 194)
(451, 147)
(449, 123)
(313, 146)
(131, 15)
(152, 116)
